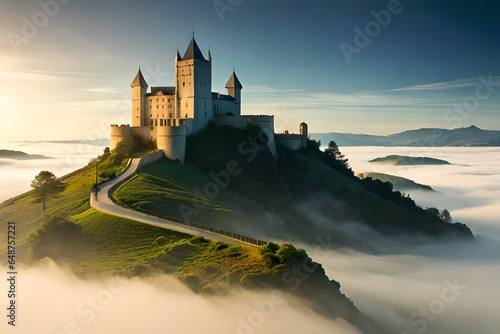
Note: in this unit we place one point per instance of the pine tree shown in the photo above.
(334, 152)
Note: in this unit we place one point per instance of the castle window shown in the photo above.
(157, 107)
(205, 114)
(170, 115)
(205, 104)
(163, 100)
(156, 122)
(183, 84)
(157, 100)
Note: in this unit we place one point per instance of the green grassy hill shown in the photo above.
(91, 243)
(284, 199)
(230, 181)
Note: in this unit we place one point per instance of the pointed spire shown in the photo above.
(178, 55)
(193, 51)
(139, 80)
(233, 82)
(209, 54)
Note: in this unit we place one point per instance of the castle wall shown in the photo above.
(150, 159)
(119, 132)
(172, 141)
(291, 141)
(143, 131)
(222, 107)
(266, 123)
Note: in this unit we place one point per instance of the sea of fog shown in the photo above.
(62, 158)
(440, 288)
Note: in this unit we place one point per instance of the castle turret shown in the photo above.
(172, 141)
(303, 131)
(139, 89)
(234, 87)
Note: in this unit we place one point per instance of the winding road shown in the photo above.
(103, 202)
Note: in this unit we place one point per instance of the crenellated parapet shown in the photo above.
(294, 141)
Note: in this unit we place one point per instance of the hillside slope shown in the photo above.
(95, 244)
(231, 181)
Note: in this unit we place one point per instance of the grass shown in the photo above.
(171, 189)
(119, 246)
(114, 245)
(265, 186)
(111, 245)
(28, 213)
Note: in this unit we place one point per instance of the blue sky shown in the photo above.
(432, 64)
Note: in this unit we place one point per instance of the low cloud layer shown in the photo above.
(433, 289)
(16, 175)
(423, 293)
(438, 288)
(53, 301)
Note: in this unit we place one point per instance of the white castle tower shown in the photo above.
(194, 86)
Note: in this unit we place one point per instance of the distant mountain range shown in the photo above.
(426, 137)
(18, 155)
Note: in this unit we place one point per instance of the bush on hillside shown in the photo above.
(58, 239)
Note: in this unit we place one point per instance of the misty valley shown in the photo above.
(399, 282)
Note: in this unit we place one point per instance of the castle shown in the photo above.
(170, 114)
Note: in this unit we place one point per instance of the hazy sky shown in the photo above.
(65, 70)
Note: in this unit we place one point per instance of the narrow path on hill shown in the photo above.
(104, 203)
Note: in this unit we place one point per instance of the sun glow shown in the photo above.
(4, 103)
